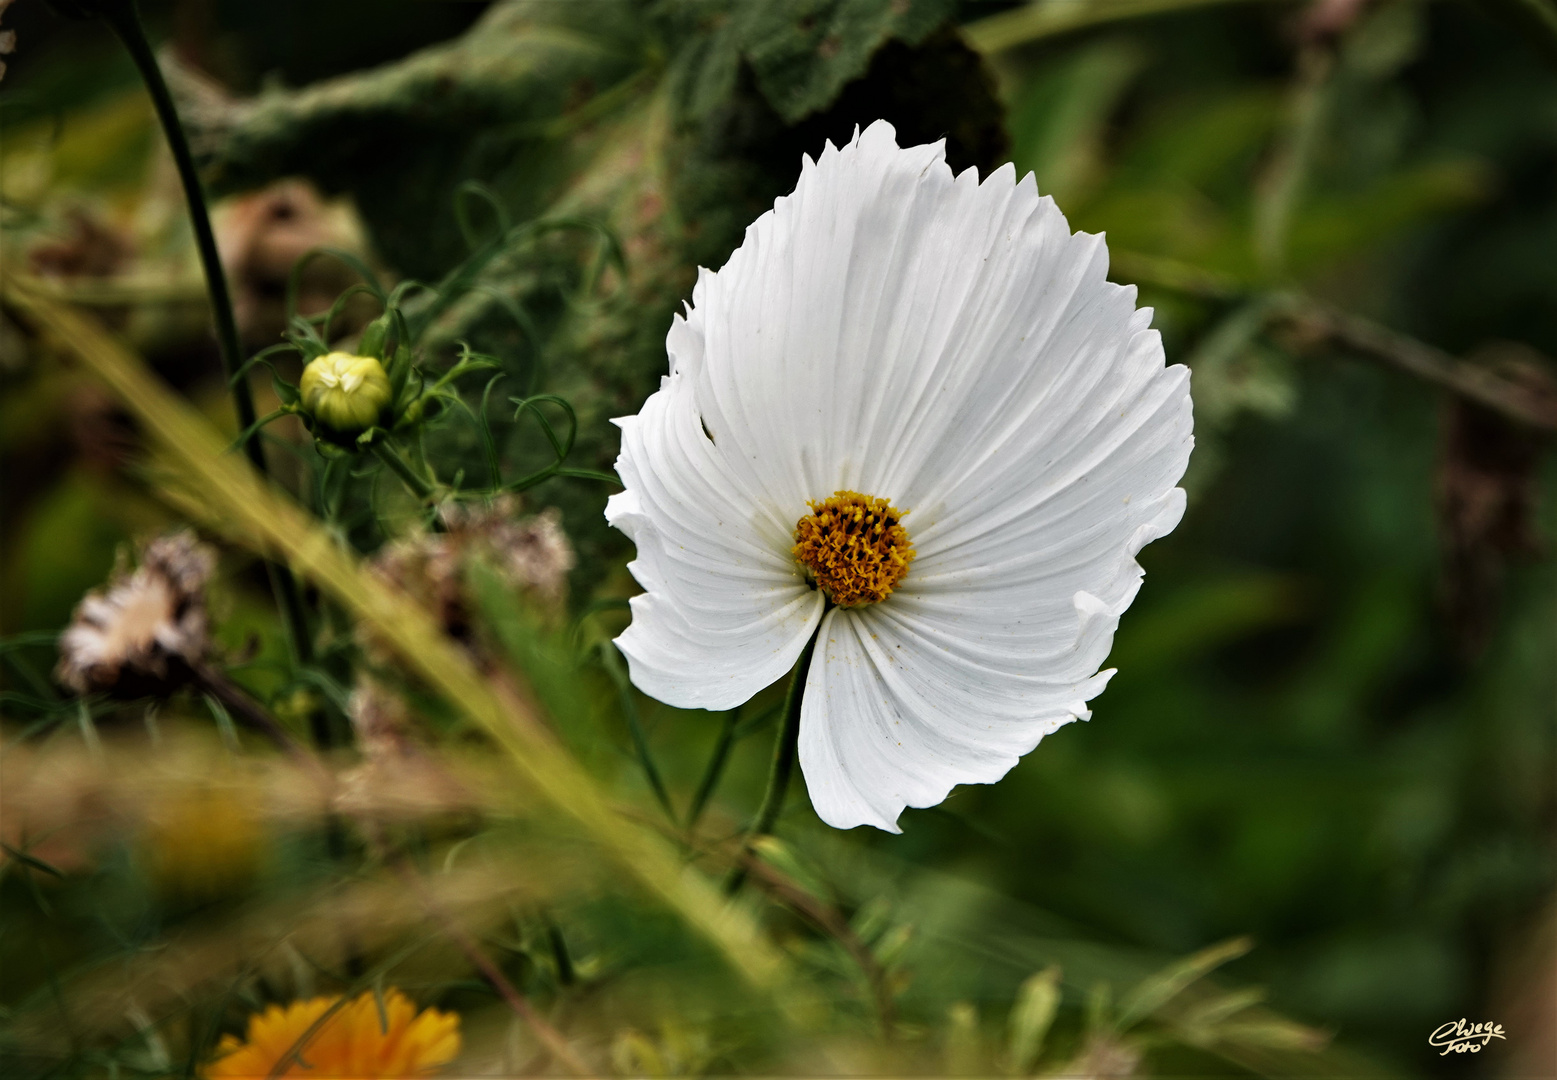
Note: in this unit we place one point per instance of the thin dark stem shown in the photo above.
(245, 709)
(283, 585)
(784, 751)
(559, 953)
(1536, 408)
(126, 23)
(549, 1036)
(613, 665)
(398, 465)
(830, 921)
(716, 764)
(1319, 324)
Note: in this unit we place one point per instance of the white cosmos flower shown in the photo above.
(951, 348)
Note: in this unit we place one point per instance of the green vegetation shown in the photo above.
(1313, 816)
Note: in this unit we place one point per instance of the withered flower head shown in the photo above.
(263, 234)
(396, 778)
(380, 718)
(1106, 1058)
(531, 553)
(141, 634)
(93, 247)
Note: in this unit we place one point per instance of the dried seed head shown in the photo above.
(380, 719)
(531, 553)
(141, 634)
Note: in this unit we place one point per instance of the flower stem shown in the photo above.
(552, 1039)
(398, 465)
(784, 752)
(559, 953)
(716, 764)
(125, 20)
(244, 708)
(613, 665)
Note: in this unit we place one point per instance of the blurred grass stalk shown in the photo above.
(243, 506)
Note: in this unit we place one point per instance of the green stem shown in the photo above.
(784, 752)
(1281, 188)
(559, 953)
(126, 23)
(398, 465)
(716, 764)
(613, 665)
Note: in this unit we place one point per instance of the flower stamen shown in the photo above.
(853, 547)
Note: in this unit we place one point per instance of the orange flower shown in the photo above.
(354, 1041)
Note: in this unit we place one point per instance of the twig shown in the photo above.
(831, 922)
(391, 457)
(550, 1036)
(1281, 184)
(245, 709)
(1320, 323)
(1367, 338)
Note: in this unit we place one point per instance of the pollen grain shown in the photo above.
(853, 547)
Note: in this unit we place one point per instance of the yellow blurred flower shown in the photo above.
(205, 840)
(356, 1041)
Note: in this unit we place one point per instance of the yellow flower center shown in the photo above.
(854, 547)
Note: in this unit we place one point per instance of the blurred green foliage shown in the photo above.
(1306, 742)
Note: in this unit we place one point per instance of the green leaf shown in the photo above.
(1157, 990)
(1031, 1015)
(802, 53)
(287, 392)
(1060, 119)
(786, 861)
(805, 52)
(964, 1050)
(1214, 1012)
(31, 861)
(1233, 375)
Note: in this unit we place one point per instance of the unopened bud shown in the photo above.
(345, 394)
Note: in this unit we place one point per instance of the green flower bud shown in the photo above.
(345, 394)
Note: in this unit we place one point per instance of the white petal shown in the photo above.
(800, 334)
(895, 716)
(723, 614)
(848, 733)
